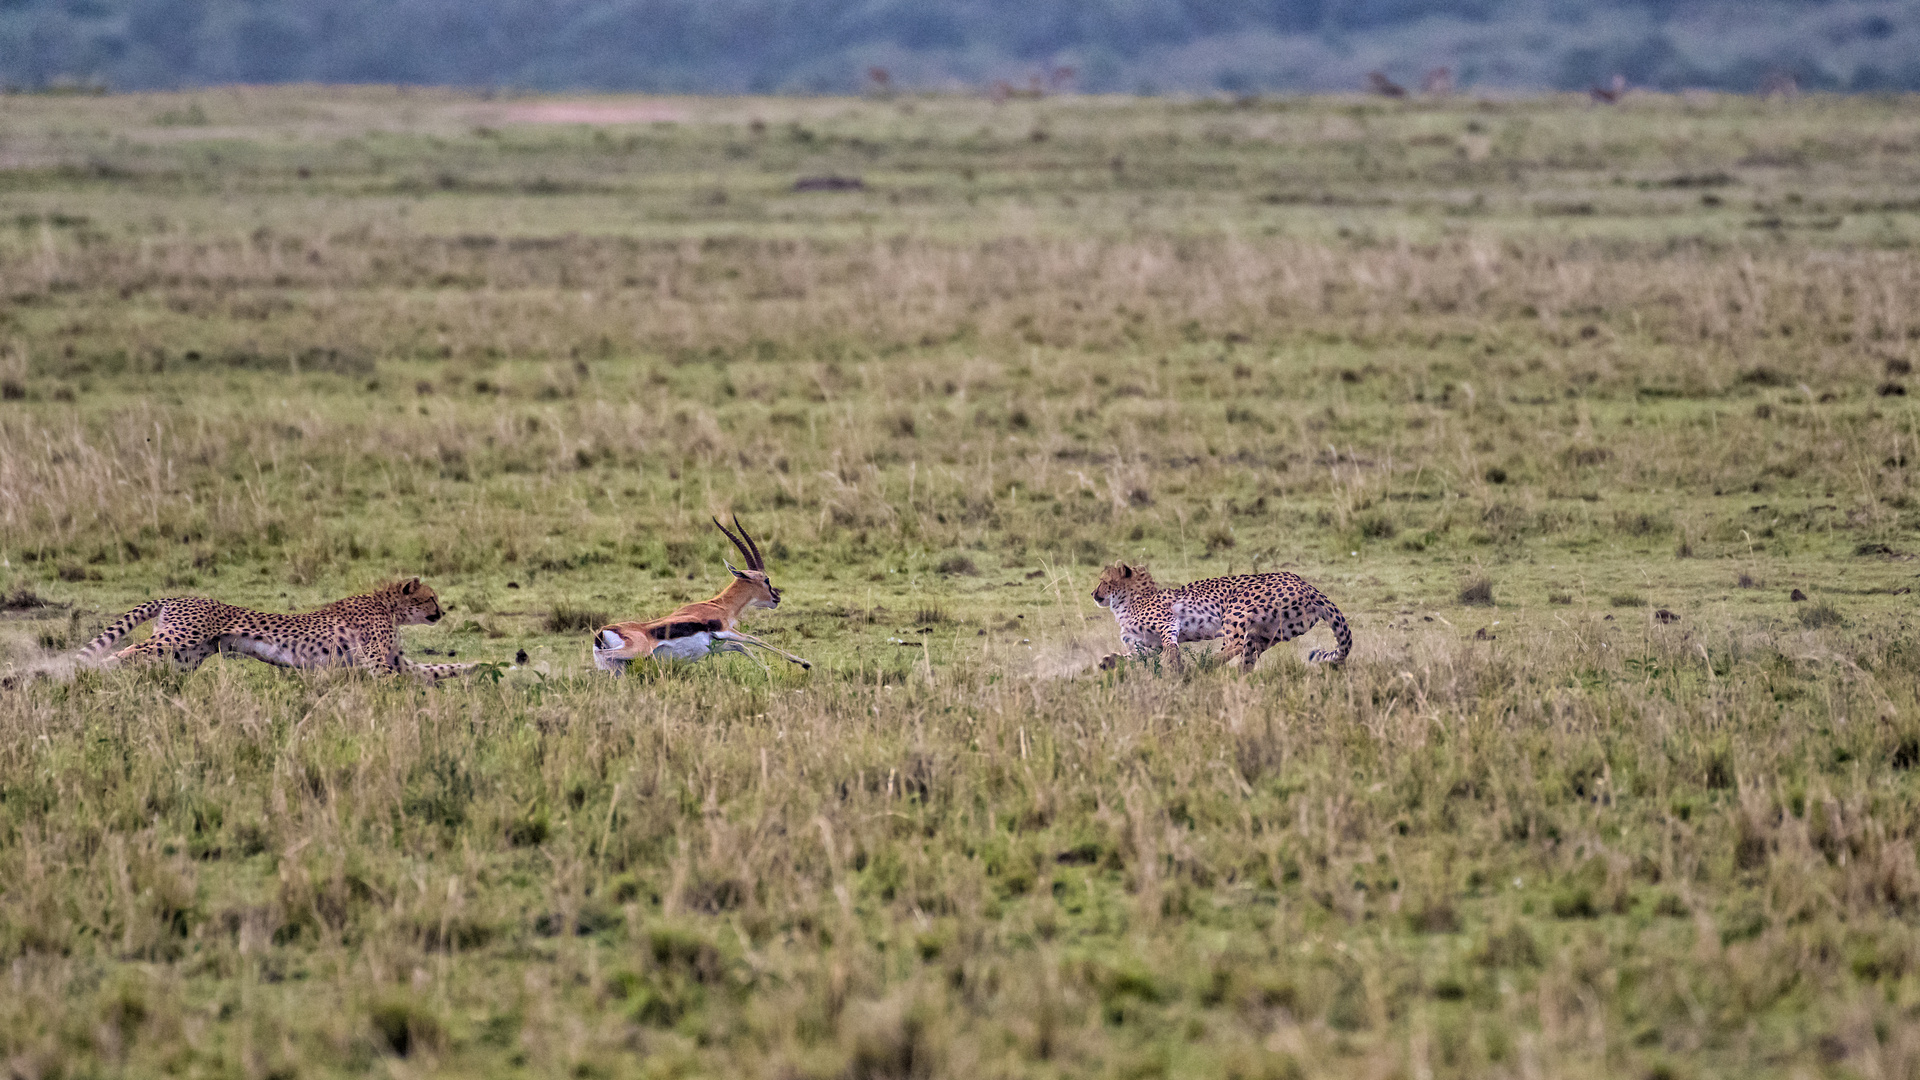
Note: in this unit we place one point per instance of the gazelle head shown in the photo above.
(765, 595)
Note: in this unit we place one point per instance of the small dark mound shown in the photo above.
(1478, 593)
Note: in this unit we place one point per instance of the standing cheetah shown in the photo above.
(1252, 611)
(357, 631)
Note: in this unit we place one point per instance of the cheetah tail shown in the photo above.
(1341, 636)
(121, 628)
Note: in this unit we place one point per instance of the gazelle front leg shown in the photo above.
(736, 638)
(723, 645)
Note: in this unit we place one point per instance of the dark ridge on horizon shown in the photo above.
(834, 46)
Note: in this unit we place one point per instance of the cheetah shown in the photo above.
(357, 631)
(1252, 611)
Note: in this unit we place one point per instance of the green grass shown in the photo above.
(1511, 381)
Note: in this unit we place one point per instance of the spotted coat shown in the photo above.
(1251, 611)
(358, 631)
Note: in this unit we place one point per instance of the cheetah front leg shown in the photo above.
(374, 651)
(1170, 644)
(192, 658)
(1234, 643)
(433, 672)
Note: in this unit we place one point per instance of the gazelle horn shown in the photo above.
(751, 555)
(759, 561)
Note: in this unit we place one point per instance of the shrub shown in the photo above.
(567, 619)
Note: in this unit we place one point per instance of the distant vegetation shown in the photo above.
(733, 46)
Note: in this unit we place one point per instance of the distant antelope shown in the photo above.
(697, 631)
(1378, 82)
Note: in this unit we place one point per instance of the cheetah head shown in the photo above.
(417, 603)
(1119, 580)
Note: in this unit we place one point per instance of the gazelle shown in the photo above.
(697, 631)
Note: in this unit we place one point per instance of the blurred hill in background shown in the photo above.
(1150, 46)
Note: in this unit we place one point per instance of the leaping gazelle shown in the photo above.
(697, 631)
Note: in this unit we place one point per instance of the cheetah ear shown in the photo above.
(1125, 570)
(411, 587)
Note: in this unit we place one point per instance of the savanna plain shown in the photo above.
(1563, 404)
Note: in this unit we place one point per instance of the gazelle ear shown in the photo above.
(732, 569)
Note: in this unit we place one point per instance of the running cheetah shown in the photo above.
(1252, 611)
(357, 631)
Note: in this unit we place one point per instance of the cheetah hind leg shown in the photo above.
(1247, 644)
(1236, 644)
(167, 643)
(1251, 652)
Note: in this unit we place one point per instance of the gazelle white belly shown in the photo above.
(691, 647)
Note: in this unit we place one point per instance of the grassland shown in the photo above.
(1559, 403)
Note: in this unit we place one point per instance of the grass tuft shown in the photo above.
(22, 598)
(1821, 614)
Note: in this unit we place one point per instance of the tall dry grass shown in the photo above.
(1491, 857)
